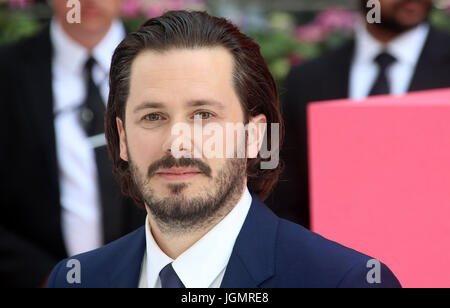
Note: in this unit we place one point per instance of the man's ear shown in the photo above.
(122, 139)
(257, 127)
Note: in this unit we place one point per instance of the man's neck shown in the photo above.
(173, 245)
(87, 39)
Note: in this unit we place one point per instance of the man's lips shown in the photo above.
(178, 174)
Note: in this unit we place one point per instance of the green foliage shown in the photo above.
(441, 19)
(15, 25)
(280, 46)
(133, 24)
(277, 47)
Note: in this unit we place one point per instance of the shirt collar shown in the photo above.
(200, 265)
(406, 48)
(72, 56)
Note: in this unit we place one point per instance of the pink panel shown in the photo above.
(380, 181)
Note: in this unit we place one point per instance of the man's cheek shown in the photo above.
(216, 165)
(144, 147)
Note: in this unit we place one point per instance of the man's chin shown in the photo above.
(182, 190)
(178, 188)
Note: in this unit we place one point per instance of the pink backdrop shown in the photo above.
(380, 181)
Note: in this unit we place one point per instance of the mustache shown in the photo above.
(170, 161)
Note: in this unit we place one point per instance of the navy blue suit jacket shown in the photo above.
(269, 252)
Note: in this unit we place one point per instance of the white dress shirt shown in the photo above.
(406, 48)
(80, 200)
(203, 264)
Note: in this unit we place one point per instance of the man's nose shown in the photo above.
(179, 141)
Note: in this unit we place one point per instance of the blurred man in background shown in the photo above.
(401, 54)
(59, 196)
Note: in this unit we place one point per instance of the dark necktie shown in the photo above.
(169, 279)
(381, 86)
(92, 114)
(93, 110)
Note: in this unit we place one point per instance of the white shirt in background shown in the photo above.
(406, 48)
(80, 200)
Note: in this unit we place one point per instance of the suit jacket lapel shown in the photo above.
(251, 263)
(253, 258)
(126, 271)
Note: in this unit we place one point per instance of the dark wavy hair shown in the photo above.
(253, 83)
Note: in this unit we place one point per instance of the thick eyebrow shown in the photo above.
(200, 103)
(194, 103)
(148, 105)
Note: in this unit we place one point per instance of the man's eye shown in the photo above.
(153, 117)
(203, 115)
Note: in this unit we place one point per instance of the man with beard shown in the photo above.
(206, 224)
(402, 53)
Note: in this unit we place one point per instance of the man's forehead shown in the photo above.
(193, 63)
(187, 75)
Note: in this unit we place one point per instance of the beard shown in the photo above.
(391, 23)
(178, 213)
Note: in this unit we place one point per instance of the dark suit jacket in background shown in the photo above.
(269, 252)
(31, 240)
(327, 78)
